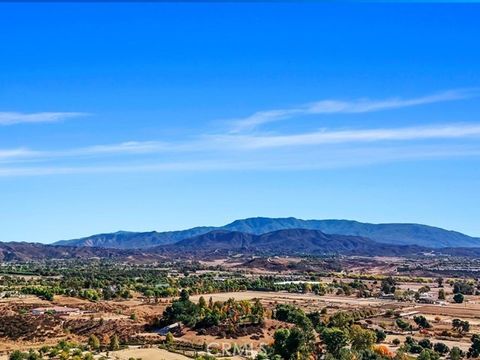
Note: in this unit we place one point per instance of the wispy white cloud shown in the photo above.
(205, 165)
(15, 153)
(130, 147)
(450, 131)
(12, 118)
(297, 161)
(229, 151)
(238, 143)
(254, 150)
(346, 107)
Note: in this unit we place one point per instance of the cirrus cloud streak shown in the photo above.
(13, 118)
(357, 106)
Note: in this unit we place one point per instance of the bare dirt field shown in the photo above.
(455, 310)
(305, 301)
(25, 299)
(146, 354)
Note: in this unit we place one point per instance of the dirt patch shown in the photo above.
(460, 310)
(147, 354)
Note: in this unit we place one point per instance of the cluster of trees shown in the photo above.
(422, 322)
(88, 280)
(104, 280)
(65, 350)
(42, 292)
(461, 326)
(207, 283)
(357, 287)
(297, 342)
(341, 338)
(231, 313)
(458, 325)
(426, 350)
(68, 350)
(94, 343)
(463, 287)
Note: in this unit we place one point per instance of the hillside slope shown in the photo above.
(133, 240)
(285, 242)
(21, 251)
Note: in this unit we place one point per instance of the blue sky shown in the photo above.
(166, 116)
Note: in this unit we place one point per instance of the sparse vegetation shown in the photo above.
(340, 315)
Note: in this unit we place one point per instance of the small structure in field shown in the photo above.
(165, 330)
(387, 296)
(426, 299)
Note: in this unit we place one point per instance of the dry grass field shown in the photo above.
(310, 302)
(146, 354)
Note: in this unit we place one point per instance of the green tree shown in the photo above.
(441, 348)
(114, 343)
(202, 303)
(428, 354)
(422, 322)
(402, 324)
(169, 338)
(184, 295)
(293, 344)
(279, 345)
(361, 339)
(299, 343)
(258, 312)
(474, 351)
(93, 342)
(441, 294)
(334, 339)
(88, 356)
(460, 326)
(425, 343)
(380, 335)
(17, 355)
(347, 354)
(458, 298)
(456, 353)
(463, 288)
(388, 285)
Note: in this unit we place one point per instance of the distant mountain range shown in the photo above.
(222, 243)
(394, 234)
(285, 242)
